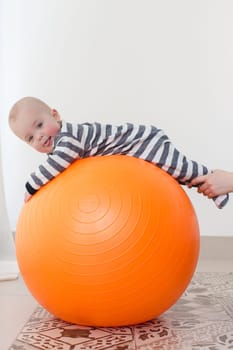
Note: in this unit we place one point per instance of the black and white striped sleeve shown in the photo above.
(66, 152)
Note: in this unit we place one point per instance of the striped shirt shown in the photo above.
(76, 141)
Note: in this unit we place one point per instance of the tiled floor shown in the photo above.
(17, 306)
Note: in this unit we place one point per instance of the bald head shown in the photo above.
(27, 105)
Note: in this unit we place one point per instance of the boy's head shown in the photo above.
(34, 122)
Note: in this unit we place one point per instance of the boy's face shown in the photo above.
(37, 129)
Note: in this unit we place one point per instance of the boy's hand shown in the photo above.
(27, 196)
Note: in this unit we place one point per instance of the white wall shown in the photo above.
(163, 62)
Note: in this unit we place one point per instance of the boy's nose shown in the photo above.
(39, 136)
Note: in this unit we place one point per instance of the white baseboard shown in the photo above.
(219, 248)
(8, 270)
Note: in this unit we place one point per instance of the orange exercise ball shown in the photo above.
(111, 241)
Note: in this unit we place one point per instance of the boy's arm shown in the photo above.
(66, 152)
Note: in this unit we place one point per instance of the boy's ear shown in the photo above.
(55, 114)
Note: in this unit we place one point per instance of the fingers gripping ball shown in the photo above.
(111, 241)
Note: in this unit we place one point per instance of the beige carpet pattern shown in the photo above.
(201, 320)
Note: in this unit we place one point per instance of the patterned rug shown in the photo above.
(201, 320)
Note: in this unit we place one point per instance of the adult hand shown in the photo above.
(214, 184)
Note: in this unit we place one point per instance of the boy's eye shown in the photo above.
(30, 139)
(39, 125)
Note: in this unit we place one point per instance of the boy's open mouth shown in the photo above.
(48, 142)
